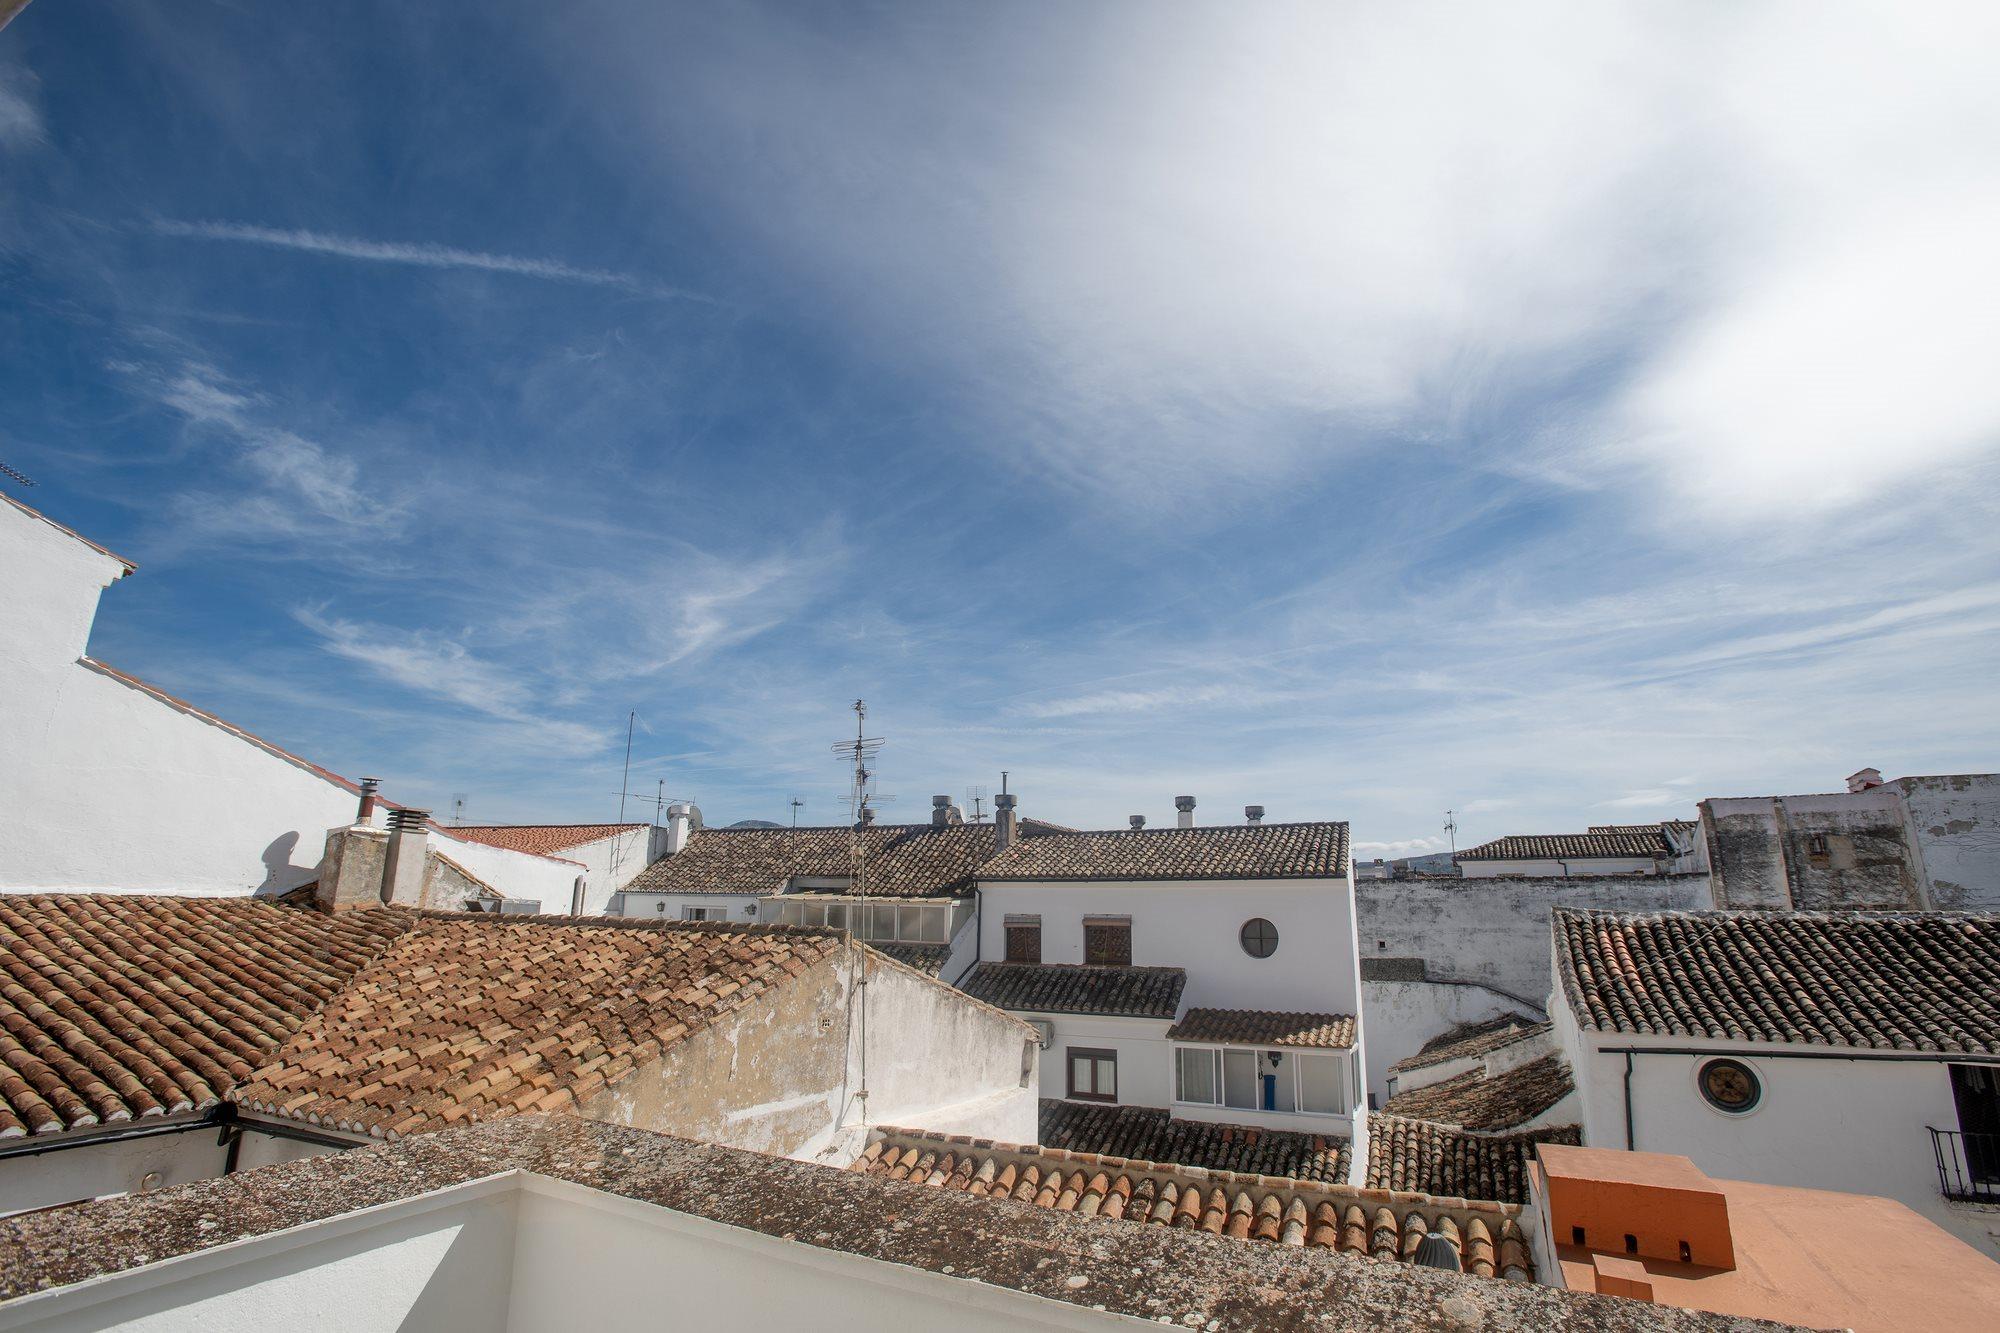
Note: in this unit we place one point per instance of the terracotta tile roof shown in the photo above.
(1229, 851)
(1150, 1134)
(1478, 1100)
(474, 1016)
(1470, 1039)
(539, 839)
(1405, 1154)
(903, 860)
(1635, 842)
(115, 1008)
(1264, 1027)
(1904, 981)
(1078, 988)
(1271, 1209)
(928, 959)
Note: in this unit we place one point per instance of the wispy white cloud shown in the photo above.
(21, 121)
(419, 254)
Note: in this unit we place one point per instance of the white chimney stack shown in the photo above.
(1866, 778)
(1185, 804)
(403, 867)
(683, 818)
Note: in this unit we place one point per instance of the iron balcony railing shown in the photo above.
(1968, 1165)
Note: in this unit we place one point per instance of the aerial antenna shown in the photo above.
(860, 752)
(798, 802)
(1451, 832)
(457, 808)
(24, 479)
(975, 796)
(625, 782)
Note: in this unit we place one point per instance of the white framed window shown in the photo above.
(1248, 1079)
(1197, 1076)
(698, 913)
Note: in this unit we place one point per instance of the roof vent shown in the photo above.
(1434, 1251)
(404, 819)
(369, 789)
(1253, 814)
(1138, 821)
(1185, 804)
(1006, 826)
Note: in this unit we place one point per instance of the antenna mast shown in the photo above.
(1451, 832)
(860, 752)
(797, 802)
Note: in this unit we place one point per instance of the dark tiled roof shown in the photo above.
(1421, 1155)
(1247, 1207)
(928, 959)
(1904, 981)
(1230, 851)
(903, 860)
(1469, 1039)
(540, 839)
(1264, 1027)
(1477, 1100)
(1570, 846)
(116, 1008)
(1152, 1135)
(470, 1017)
(1078, 988)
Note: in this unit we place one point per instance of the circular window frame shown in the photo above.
(1243, 936)
(1756, 1101)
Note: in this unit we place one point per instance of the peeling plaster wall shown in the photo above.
(767, 1078)
(1496, 932)
(1403, 1015)
(1957, 825)
(1823, 852)
(781, 1076)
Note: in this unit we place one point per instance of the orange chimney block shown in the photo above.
(1638, 1204)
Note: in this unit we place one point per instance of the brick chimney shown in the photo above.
(409, 848)
(1185, 804)
(350, 873)
(1006, 825)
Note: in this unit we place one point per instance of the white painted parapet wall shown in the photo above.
(112, 785)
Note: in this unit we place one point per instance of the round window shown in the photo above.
(1260, 937)
(1730, 1085)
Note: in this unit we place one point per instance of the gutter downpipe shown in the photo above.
(1630, 1135)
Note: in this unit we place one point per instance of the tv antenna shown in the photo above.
(975, 796)
(23, 478)
(797, 804)
(1451, 831)
(457, 808)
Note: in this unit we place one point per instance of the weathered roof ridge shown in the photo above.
(1636, 841)
(1078, 988)
(1468, 1039)
(1280, 1210)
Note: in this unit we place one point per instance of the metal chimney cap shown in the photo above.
(408, 819)
(371, 784)
(1253, 813)
(940, 802)
(1138, 821)
(1183, 802)
(1004, 800)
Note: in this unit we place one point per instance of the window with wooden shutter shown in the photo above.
(1107, 941)
(1024, 939)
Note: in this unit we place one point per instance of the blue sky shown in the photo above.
(1556, 415)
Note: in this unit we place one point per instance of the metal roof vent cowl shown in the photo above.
(369, 788)
(1185, 804)
(1253, 814)
(1137, 821)
(1434, 1251)
(409, 849)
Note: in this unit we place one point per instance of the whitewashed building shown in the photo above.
(110, 784)
(1844, 1051)
(610, 854)
(1671, 847)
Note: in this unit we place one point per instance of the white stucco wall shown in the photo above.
(1145, 1057)
(611, 862)
(549, 881)
(1193, 924)
(108, 787)
(1403, 1015)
